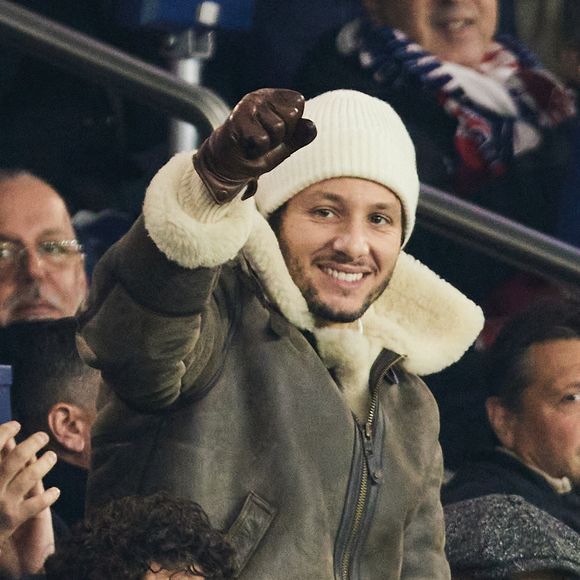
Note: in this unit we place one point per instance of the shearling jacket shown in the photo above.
(219, 389)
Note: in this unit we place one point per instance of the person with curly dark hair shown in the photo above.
(144, 538)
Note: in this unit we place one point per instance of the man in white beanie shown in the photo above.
(267, 370)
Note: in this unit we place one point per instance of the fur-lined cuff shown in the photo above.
(187, 225)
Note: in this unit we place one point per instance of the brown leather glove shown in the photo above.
(264, 128)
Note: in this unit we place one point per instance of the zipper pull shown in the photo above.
(375, 473)
(368, 431)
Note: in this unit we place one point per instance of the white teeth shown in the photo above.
(344, 276)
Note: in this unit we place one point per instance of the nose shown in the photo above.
(352, 240)
(31, 265)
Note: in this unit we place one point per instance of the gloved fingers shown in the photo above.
(256, 134)
(266, 118)
(291, 132)
(264, 128)
(288, 106)
(274, 126)
(303, 134)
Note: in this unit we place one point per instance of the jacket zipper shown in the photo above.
(363, 491)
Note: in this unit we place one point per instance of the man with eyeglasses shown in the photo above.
(42, 272)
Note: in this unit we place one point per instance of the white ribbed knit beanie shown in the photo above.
(358, 136)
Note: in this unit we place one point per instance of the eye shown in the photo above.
(571, 398)
(323, 212)
(379, 219)
(7, 251)
(53, 249)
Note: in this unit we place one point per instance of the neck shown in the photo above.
(76, 459)
(356, 325)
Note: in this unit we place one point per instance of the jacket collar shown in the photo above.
(419, 315)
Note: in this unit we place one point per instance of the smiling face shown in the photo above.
(459, 31)
(340, 239)
(31, 212)
(545, 430)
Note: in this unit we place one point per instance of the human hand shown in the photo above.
(264, 128)
(26, 535)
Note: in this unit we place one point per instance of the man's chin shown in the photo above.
(34, 312)
(326, 314)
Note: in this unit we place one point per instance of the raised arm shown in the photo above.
(160, 309)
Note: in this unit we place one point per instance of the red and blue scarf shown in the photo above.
(490, 131)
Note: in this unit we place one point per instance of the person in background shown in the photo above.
(151, 537)
(533, 407)
(489, 123)
(135, 538)
(505, 537)
(26, 534)
(41, 263)
(54, 391)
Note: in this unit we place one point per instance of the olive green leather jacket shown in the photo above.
(214, 396)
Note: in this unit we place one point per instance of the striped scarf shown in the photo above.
(501, 109)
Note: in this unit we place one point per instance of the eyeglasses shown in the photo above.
(54, 253)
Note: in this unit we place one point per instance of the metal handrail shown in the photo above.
(98, 62)
(438, 211)
(497, 236)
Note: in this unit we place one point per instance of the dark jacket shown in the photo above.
(72, 482)
(496, 472)
(216, 396)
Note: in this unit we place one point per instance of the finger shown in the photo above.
(8, 431)
(8, 447)
(36, 504)
(22, 454)
(274, 125)
(28, 478)
(304, 133)
(289, 106)
(252, 138)
(264, 118)
(37, 489)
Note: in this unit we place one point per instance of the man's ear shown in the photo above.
(501, 420)
(68, 424)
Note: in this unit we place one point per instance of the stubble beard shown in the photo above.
(322, 310)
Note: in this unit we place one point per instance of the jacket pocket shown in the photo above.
(249, 528)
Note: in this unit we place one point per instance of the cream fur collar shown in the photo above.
(419, 315)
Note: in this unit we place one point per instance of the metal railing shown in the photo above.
(440, 212)
(100, 63)
(497, 236)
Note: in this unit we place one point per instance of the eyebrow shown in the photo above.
(9, 237)
(556, 391)
(328, 195)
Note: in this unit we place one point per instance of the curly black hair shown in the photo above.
(123, 538)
